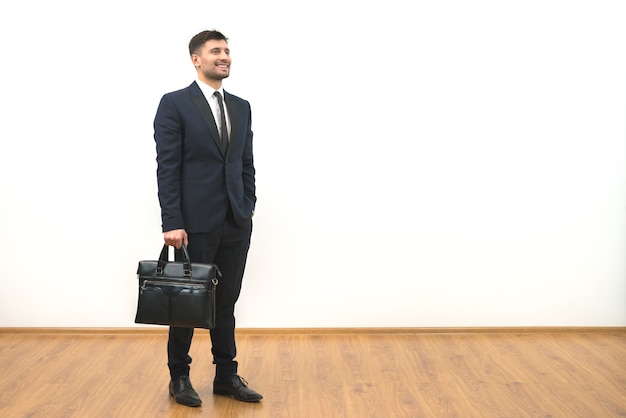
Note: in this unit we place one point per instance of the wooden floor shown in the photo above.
(393, 374)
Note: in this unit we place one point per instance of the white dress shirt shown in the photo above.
(215, 107)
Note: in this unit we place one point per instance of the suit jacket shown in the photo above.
(197, 182)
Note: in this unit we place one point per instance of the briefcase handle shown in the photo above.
(164, 258)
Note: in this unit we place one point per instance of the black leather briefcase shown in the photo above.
(177, 293)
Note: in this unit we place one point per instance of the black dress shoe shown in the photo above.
(237, 387)
(183, 392)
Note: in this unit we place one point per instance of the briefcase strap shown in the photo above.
(164, 258)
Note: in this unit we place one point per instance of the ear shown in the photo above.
(195, 59)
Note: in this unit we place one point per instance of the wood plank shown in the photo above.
(352, 374)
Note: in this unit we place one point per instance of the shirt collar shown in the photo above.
(208, 90)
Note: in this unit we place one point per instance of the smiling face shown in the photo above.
(212, 62)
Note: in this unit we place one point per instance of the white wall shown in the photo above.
(420, 164)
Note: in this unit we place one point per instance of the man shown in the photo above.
(207, 194)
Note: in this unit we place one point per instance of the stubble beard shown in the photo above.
(216, 75)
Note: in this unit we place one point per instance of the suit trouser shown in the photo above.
(226, 247)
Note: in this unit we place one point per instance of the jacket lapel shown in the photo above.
(202, 105)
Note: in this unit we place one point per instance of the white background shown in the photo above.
(419, 164)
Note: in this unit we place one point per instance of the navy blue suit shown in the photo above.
(211, 194)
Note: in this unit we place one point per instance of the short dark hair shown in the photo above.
(206, 35)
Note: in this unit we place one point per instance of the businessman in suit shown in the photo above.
(206, 188)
